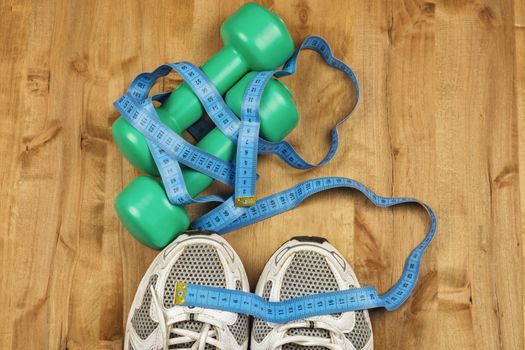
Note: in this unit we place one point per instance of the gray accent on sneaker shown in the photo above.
(198, 264)
(141, 320)
(314, 239)
(260, 328)
(360, 335)
(240, 329)
(308, 273)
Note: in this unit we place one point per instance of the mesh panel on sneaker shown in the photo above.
(361, 333)
(260, 328)
(141, 320)
(240, 329)
(198, 264)
(308, 273)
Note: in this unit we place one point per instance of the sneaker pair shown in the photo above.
(302, 266)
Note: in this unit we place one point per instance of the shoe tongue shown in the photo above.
(191, 325)
(307, 332)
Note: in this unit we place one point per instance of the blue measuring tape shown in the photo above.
(139, 111)
(168, 149)
(247, 143)
(227, 218)
(245, 168)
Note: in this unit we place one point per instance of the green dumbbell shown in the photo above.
(254, 39)
(143, 206)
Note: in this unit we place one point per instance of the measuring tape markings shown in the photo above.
(170, 171)
(278, 312)
(210, 98)
(246, 161)
(218, 112)
(138, 110)
(228, 123)
(283, 149)
(227, 217)
(247, 144)
(318, 304)
(139, 115)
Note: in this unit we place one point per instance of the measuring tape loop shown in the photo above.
(226, 217)
(143, 117)
(138, 110)
(283, 149)
(171, 173)
(249, 142)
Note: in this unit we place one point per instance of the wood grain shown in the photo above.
(442, 119)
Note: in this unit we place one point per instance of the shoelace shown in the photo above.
(305, 340)
(207, 334)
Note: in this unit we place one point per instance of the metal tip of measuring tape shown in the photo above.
(180, 293)
(244, 201)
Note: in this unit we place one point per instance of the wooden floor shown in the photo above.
(442, 119)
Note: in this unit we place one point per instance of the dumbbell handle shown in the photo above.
(217, 144)
(181, 109)
(254, 38)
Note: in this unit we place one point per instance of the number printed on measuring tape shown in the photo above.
(227, 217)
(241, 209)
(229, 124)
(283, 149)
(247, 144)
(139, 114)
(138, 110)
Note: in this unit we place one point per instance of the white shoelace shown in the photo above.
(305, 340)
(207, 334)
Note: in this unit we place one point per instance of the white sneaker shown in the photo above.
(303, 266)
(154, 322)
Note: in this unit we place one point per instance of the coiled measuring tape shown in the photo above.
(168, 149)
(138, 110)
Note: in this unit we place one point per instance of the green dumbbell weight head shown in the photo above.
(254, 39)
(143, 206)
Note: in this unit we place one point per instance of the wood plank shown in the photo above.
(441, 118)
